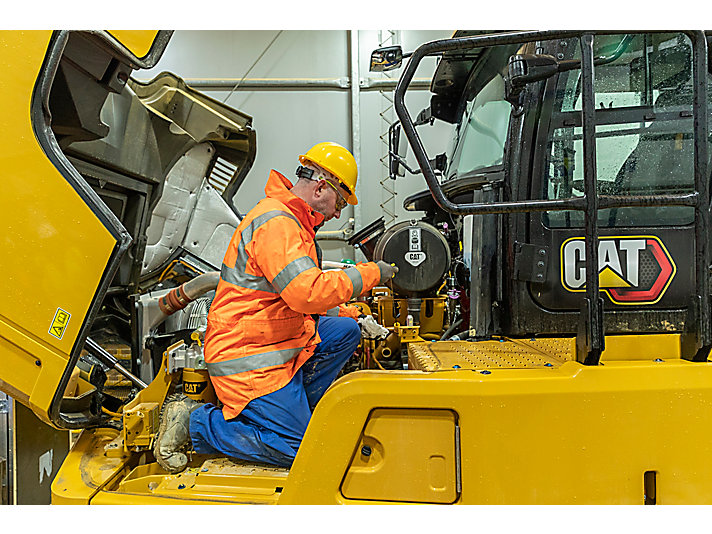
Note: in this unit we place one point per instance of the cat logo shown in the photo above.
(194, 388)
(632, 270)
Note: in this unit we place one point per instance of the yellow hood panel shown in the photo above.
(55, 250)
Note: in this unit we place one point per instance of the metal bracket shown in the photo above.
(531, 262)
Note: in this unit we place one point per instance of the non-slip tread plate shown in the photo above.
(508, 353)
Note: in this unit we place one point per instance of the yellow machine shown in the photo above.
(498, 374)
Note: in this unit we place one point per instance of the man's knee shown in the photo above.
(352, 332)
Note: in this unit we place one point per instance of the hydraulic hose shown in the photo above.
(450, 330)
(179, 297)
(461, 336)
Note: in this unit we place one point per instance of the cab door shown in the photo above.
(644, 146)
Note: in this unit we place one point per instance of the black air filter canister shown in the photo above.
(421, 253)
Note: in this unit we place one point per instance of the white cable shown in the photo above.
(252, 66)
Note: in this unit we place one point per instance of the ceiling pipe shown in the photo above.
(287, 84)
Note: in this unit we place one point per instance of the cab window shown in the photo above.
(644, 127)
(483, 130)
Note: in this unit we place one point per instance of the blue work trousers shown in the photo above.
(270, 428)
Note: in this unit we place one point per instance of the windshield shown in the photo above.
(480, 138)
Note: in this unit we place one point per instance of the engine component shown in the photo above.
(195, 377)
(182, 356)
(182, 307)
(421, 253)
(365, 239)
(179, 297)
(197, 385)
(140, 424)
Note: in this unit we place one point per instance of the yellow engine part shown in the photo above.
(432, 313)
(407, 334)
(140, 425)
(197, 385)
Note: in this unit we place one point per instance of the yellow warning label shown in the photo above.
(59, 323)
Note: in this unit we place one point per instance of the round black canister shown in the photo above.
(421, 253)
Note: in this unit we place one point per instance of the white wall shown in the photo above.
(289, 122)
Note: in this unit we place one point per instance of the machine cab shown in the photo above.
(521, 145)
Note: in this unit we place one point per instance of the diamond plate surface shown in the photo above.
(509, 353)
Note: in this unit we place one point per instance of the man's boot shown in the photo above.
(173, 437)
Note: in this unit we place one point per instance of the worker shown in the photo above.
(278, 331)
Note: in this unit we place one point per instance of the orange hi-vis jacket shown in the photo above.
(260, 326)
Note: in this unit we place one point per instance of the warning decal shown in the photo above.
(59, 323)
(632, 270)
(415, 256)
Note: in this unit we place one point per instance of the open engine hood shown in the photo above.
(86, 152)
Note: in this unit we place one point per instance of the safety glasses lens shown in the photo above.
(340, 200)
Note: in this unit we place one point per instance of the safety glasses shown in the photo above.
(340, 200)
(310, 174)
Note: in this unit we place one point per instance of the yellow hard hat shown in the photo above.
(338, 161)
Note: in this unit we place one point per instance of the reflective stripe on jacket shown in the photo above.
(260, 326)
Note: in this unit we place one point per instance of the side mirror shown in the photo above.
(387, 58)
(398, 146)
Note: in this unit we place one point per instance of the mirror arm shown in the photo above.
(401, 161)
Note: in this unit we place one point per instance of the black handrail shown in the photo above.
(701, 301)
(591, 341)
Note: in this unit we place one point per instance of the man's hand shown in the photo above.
(388, 271)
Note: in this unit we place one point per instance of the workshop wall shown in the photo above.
(289, 121)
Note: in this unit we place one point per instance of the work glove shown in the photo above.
(370, 329)
(388, 271)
